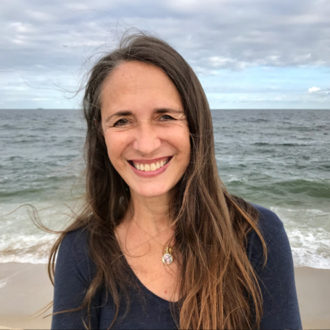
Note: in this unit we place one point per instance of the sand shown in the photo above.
(313, 287)
(25, 289)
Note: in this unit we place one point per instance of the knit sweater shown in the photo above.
(74, 271)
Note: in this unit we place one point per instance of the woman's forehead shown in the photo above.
(134, 84)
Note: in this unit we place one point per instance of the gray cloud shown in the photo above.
(51, 40)
(238, 33)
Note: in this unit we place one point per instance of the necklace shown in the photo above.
(167, 257)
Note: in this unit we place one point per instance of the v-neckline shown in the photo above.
(139, 282)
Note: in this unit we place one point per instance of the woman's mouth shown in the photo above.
(149, 165)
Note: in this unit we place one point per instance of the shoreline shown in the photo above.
(25, 289)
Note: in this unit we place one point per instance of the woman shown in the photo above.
(161, 243)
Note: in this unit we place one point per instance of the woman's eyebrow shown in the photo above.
(124, 113)
(118, 114)
(168, 110)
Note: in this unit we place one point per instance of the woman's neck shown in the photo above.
(146, 227)
(151, 214)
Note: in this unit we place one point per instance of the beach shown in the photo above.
(25, 289)
(314, 297)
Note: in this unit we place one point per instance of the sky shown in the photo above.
(248, 54)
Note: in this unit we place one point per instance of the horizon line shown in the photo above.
(215, 109)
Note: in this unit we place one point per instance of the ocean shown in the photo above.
(279, 159)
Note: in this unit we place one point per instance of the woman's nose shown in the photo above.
(146, 139)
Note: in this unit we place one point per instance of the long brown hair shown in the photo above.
(218, 285)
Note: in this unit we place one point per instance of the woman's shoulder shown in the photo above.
(73, 254)
(75, 238)
(75, 243)
(276, 275)
(269, 223)
(74, 272)
(274, 235)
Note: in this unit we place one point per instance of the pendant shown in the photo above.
(167, 258)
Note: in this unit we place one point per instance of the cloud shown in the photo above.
(314, 89)
(49, 40)
(269, 33)
(320, 92)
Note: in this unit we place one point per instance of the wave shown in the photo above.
(297, 189)
(21, 241)
(317, 189)
(266, 144)
(27, 249)
(310, 248)
(308, 232)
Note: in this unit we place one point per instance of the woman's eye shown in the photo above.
(120, 122)
(167, 117)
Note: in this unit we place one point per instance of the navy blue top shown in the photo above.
(74, 270)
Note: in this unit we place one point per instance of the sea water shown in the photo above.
(277, 159)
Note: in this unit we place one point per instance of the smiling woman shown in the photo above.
(161, 243)
(147, 140)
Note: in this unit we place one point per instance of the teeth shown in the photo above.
(150, 167)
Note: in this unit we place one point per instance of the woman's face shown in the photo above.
(145, 129)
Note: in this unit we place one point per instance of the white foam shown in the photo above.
(21, 241)
(310, 248)
(26, 248)
(309, 236)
